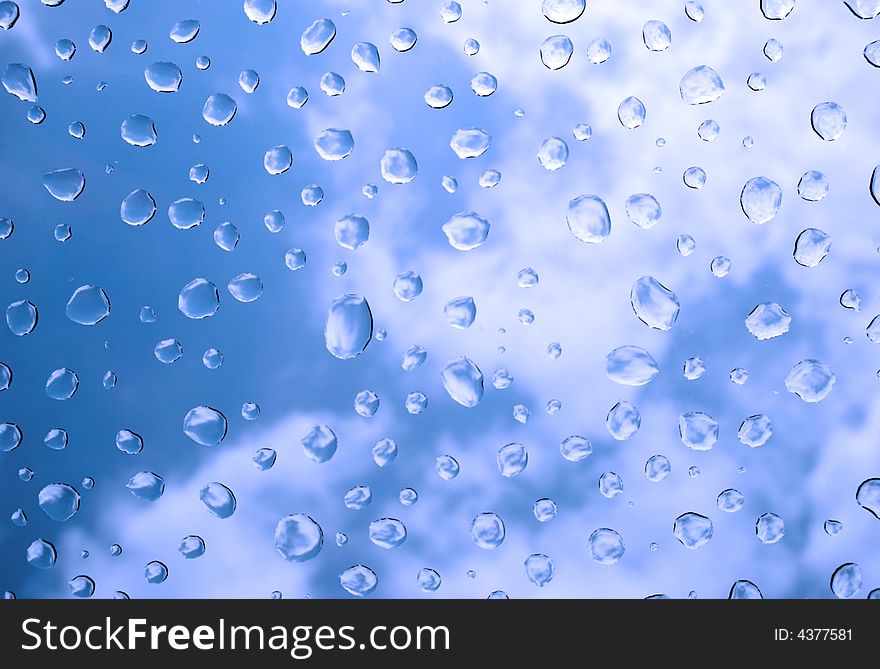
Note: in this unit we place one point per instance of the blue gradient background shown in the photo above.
(274, 348)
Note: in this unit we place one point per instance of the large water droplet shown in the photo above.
(199, 299)
(828, 120)
(438, 97)
(610, 485)
(219, 109)
(466, 231)
(387, 532)
(811, 247)
(186, 213)
(88, 305)
(18, 80)
(744, 589)
(864, 9)
(556, 52)
(657, 468)
(191, 546)
(146, 486)
(399, 166)
(463, 380)
(349, 326)
(776, 10)
(403, 39)
(62, 384)
(698, 430)
(563, 11)
(366, 56)
(66, 184)
(606, 546)
(218, 499)
(334, 144)
(631, 366)
(9, 14)
(539, 569)
(205, 426)
(730, 500)
(761, 199)
(260, 12)
(631, 113)
(813, 186)
(59, 501)
(41, 554)
(846, 581)
(129, 442)
(512, 459)
(654, 304)
(21, 317)
(755, 430)
(623, 420)
(460, 312)
(245, 287)
(168, 351)
(768, 320)
(358, 580)
(163, 76)
(656, 35)
(811, 380)
(319, 444)
(184, 31)
(692, 530)
(470, 142)
(553, 154)
(277, 160)
(701, 85)
(155, 572)
(588, 219)
(769, 528)
(428, 580)
(139, 130)
(868, 496)
(487, 530)
(138, 207)
(643, 210)
(317, 36)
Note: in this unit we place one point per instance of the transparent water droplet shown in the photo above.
(872, 53)
(863, 9)
(21, 317)
(846, 581)
(359, 580)
(6, 228)
(18, 80)
(260, 12)
(403, 39)
(9, 14)
(218, 499)
(413, 357)
(205, 426)
(335, 144)
(631, 113)
(226, 236)
(5, 376)
(88, 305)
(366, 56)
(358, 498)
(163, 77)
(545, 509)
(610, 485)
(387, 533)
(657, 468)
(470, 142)
(155, 572)
(521, 413)
(298, 537)
(297, 97)
(408, 496)
(730, 500)
(26, 474)
(811, 380)
(755, 430)
(850, 299)
(250, 411)
(139, 46)
(769, 528)
(553, 154)
(761, 199)
(744, 589)
(332, 84)
(19, 518)
(471, 46)
(832, 527)
(556, 52)
(341, 539)
(438, 97)
(563, 11)
(512, 460)
(219, 109)
(62, 384)
(186, 213)
(692, 530)
(319, 444)
(631, 366)
(146, 486)
(720, 266)
(447, 467)
(643, 210)
(588, 219)
(694, 177)
(56, 439)
(598, 51)
(384, 452)
(245, 287)
(138, 207)
(139, 130)
(694, 368)
(698, 431)
(606, 546)
(811, 247)
(450, 12)
(41, 554)
(100, 38)
(623, 420)
(277, 160)
(654, 304)
(36, 114)
(399, 166)
(65, 184)
(460, 312)
(463, 381)
(264, 459)
(768, 320)
(776, 10)
(813, 186)
(701, 85)
(828, 120)
(539, 569)
(59, 501)
(129, 442)
(466, 231)
(694, 11)
(339, 268)
(773, 50)
(184, 31)
(484, 84)
(656, 35)
(199, 173)
(366, 403)
(502, 379)
(352, 231)
(81, 586)
(428, 580)
(199, 299)
(756, 81)
(191, 546)
(868, 496)
(487, 530)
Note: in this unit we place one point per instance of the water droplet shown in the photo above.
(297, 97)
(761, 199)
(66, 184)
(813, 186)
(654, 304)
(245, 287)
(811, 380)
(864, 9)
(387, 532)
(768, 320)
(466, 231)
(460, 312)
(553, 154)
(205, 426)
(332, 84)
(868, 496)
(470, 142)
(218, 499)
(384, 452)
(872, 53)
(463, 381)
(9, 14)
(657, 468)
(129, 442)
(88, 305)
(10, 436)
(298, 537)
(631, 113)
(744, 589)
(545, 509)
(138, 207)
(769, 528)
(512, 459)
(413, 357)
(438, 97)
(701, 85)
(399, 166)
(408, 496)
(610, 485)
(598, 51)
(219, 109)
(828, 120)
(349, 326)
(139, 46)
(631, 366)
(358, 498)
(846, 581)
(811, 247)
(521, 413)
(59, 501)
(21, 317)
(643, 210)
(277, 160)
(146, 486)
(720, 266)
(168, 351)
(56, 439)
(539, 569)
(776, 10)
(352, 231)
(428, 580)
(450, 12)
(484, 84)
(36, 114)
(563, 11)
(81, 586)
(100, 38)
(264, 459)
(471, 46)
(184, 31)
(850, 299)
(623, 420)
(694, 368)
(163, 77)
(556, 52)
(757, 82)
(6, 228)
(155, 572)
(191, 546)
(41, 554)
(487, 530)
(692, 530)
(260, 12)
(694, 177)
(319, 444)
(588, 219)
(730, 500)
(25, 474)
(199, 299)
(403, 39)
(366, 56)
(62, 384)
(698, 431)
(755, 430)
(656, 36)
(606, 546)
(226, 236)
(18, 80)
(447, 467)
(832, 527)
(138, 130)
(339, 268)
(186, 213)
(358, 580)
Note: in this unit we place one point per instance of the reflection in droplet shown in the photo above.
(631, 113)
(588, 219)
(556, 52)
(319, 444)
(184, 31)
(868, 496)
(387, 533)
(470, 142)
(219, 109)
(191, 546)
(146, 486)
(41, 554)
(656, 36)
(755, 430)
(698, 430)
(692, 530)
(811, 380)
(701, 85)
(358, 580)
(512, 460)
(606, 546)
(623, 420)
(59, 501)
(88, 305)
(828, 120)
(487, 530)
(539, 569)
(811, 247)
(657, 468)
(218, 499)
(768, 320)
(298, 537)
(466, 231)
(631, 366)
(65, 184)
(205, 426)
(62, 384)
(654, 304)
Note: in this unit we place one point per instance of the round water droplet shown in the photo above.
(553, 154)
(868, 496)
(563, 11)
(226, 236)
(872, 53)
(139, 46)
(428, 580)
(755, 430)
(643, 210)
(463, 381)
(56, 439)
(218, 499)
(81, 586)
(761, 199)
(250, 411)
(408, 496)
(319, 444)
(41, 554)
(297, 97)
(512, 460)
(692, 530)
(447, 467)
(776, 10)
(138, 130)
(88, 305)
(846, 581)
(698, 431)
(631, 366)
(205, 426)
(694, 368)
(487, 530)
(21, 317)
(539, 569)
(65, 185)
(773, 50)
(832, 527)
(610, 485)
(811, 380)
(184, 31)
(146, 486)
(460, 312)
(387, 533)
(163, 76)
(155, 572)
(138, 207)
(403, 39)
(219, 109)
(701, 85)
(366, 403)
(413, 357)
(277, 160)
(466, 231)
(828, 120)
(366, 56)
(484, 84)
(657, 468)
(606, 546)
(358, 498)
(36, 114)
(769, 528)
(399, 166)
(730, 500)
(588, 219)
(9, 14)
(471, 46)
(545, 509)
(129, 442)
(438, 97)
(59, 501)
(18, 80)
(199, 299)
(556, 52)
(186, 213)
(168, 351)
(598, 51)
(744, 589)
(295, 259)
(656, 36)
(623, 420)
(317, 36)
(470, 142)
(62, 384)
(332, 84)
(298, 538)
(245, 287)
(694, 177)
(756, 81)
(654, 304)
(407, 286)
(384, 452)
(352, 231)
(358, 580)
(100, 38)
(811, 247)
(768, 320)
(631, 113)
(335, 144)
(264, 459)
(813, 186)
(260, 12)
(191, 547)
